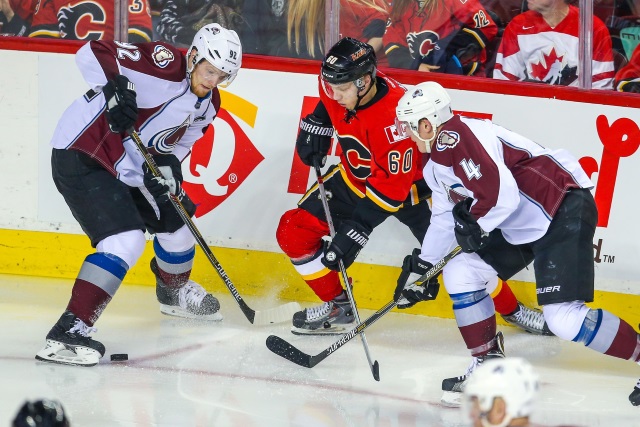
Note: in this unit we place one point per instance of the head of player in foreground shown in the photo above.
(500, 393)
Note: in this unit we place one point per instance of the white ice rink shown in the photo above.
(185, 373)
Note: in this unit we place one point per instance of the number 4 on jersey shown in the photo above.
(470, 169)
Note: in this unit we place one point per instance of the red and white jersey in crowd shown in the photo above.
(88, 20)
(171, 118)
(630, 72)
(532, 50)
(421, 31)
(376, 160)
(517, 184)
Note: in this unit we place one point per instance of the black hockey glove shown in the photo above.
(470, 236)
(314, 141)
(466, 45)
(345, 245)
(122, 109)
(407, 294)
(170, 182)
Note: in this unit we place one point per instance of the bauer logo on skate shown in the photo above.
(224, 157)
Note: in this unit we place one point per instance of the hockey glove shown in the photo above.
(467, 45)
(122, 109)
(470, 236)
(407, 294)
(314, 141)
(345, 246)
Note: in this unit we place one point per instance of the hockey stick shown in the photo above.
(289, 352)
(274, 315)
(375, 367)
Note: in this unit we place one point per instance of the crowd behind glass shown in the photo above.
(516, 40)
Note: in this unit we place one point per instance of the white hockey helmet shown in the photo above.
(512, 379)
(220, 47)
(428, 100)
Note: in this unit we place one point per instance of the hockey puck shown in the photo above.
(119, 357)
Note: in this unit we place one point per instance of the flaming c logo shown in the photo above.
(224, 157)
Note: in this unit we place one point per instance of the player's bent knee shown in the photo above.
(128, 246)
(565, 319)
(299, 234)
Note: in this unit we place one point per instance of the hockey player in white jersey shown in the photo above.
(507, 201)
(170, 99)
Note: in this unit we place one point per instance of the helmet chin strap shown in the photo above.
(351, 113)
(428, 141)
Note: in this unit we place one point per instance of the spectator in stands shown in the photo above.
(295, 28)
(628, 77)
(89, 20)
(541, 45)
(180, 20)
(501, 392)
(15, 17)
(445, 36)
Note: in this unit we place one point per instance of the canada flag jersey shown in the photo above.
(377, 159)
(532, 50)
(88, 20)
(171, 118)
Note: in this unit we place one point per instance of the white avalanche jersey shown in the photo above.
(531, 50)
(170, 117)
(517, 184)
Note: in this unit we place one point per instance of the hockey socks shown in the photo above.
(98, 281)
(504, 300)
(475, 316)
(174, 268)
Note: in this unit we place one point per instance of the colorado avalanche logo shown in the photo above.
(82, 21)
(162, 56)
(277, 8)
(455, 193)
(422, 44)
(165, 141)
(447, 139)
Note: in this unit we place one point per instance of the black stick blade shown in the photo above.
(375, 369)
(289, 352)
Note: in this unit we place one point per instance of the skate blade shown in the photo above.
(171, 310)
(451, 399)
(334, 330)
(57, 352)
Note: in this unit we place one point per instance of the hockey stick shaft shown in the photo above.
(374, 366)
(250, 314)
(291, 353)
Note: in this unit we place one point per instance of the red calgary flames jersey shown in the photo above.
(376, 160)
(88, 20)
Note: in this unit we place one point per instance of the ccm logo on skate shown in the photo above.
(548, 290)
(224, 157)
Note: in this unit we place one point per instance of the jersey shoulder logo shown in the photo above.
(447, 139)
(395, 133)
(162, 56)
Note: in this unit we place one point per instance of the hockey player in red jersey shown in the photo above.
(490, 197)
(541, 45)
(89, 20)
(100, 173)
(379, 176)
(628, 77)
(443, 36)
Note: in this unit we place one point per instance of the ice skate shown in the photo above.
(330, 318)
(190, 301)
(69, 343)
(528, 319)
(452, 387)
(634, 397)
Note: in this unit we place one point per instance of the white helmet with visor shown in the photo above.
(218, 46)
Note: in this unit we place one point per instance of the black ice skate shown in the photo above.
(634, 397)
(68, 342)
(452, 387)
(528, 319)
(330, 318)
(190, 301)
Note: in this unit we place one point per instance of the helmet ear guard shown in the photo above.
(218, 46)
